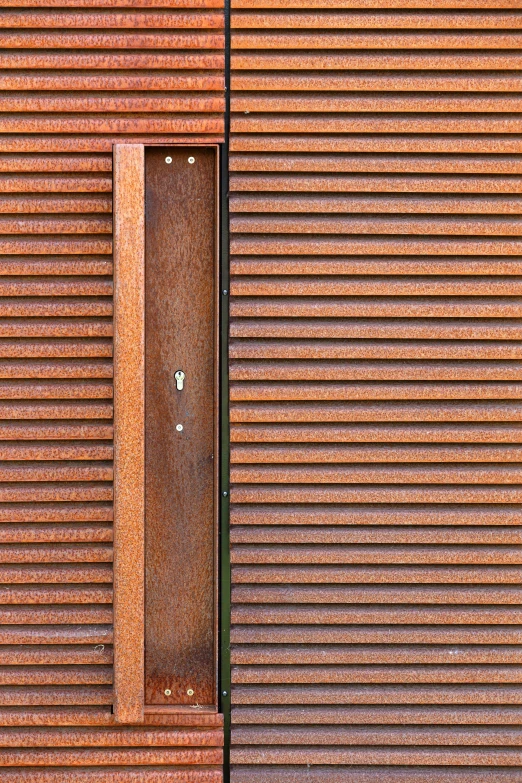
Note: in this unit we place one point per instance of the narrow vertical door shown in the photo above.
(180, 426)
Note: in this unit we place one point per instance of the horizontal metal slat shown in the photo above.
(332, 39)
(38, 676)
(66, 430)
(252, 56)
(402, 143)
(344, 101)
(326, 454)
(368, 390)
(365, 349)
(376, 736)
(139, 79)
(124, 39)
(408, 80)
(364, 122)
(54, 655)
(104, 773)
(368, 534)
(366, 516)
(470, 410)
(60, 614)
(78, 757)
(358, 714)
(364, 615)
(366, 162)
(55, 409)
(372, 663)
(55, 512)
(340, 17)
(55, 471)
(34, 390)
(64, 594)
(77, 568)
(374, 755)
(387, 673)
(136, 102)
(27, 492)
(381, 554)
(371, 433)
(110, 736)
(55, 450)
(112, 59)
(368, 182)
(41, 203)
(310, 202)
(366, 328)
(55, 553)
(113, 18)
(21, 182)
(309, 572)
(40, 162)
(350, 493)
(54, 634)
(382, 694)
(398, 473)
(112, 124)
(377, 595)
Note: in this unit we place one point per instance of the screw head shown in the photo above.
(168, 159)
(225, 693)
(191, 159)
(225, 292)
(167, 692)
(179, 427)
(190, 692)
(225, 494)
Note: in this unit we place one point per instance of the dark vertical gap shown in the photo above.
(225, 586)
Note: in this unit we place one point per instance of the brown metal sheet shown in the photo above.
(372, 165)
(95, 75)
(180, 315)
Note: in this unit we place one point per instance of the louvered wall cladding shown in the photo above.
(375, 385)
(73, 81)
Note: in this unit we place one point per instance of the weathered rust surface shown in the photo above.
(374, 367)
(129, 434)
(180, 317)
(77, 78)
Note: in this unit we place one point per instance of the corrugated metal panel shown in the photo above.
(375, 390)
(103, 754)
(73, 80)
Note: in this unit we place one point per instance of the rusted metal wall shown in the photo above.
(375, 387)
(76, 76)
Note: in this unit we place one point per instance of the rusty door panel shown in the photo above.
(180, 324)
